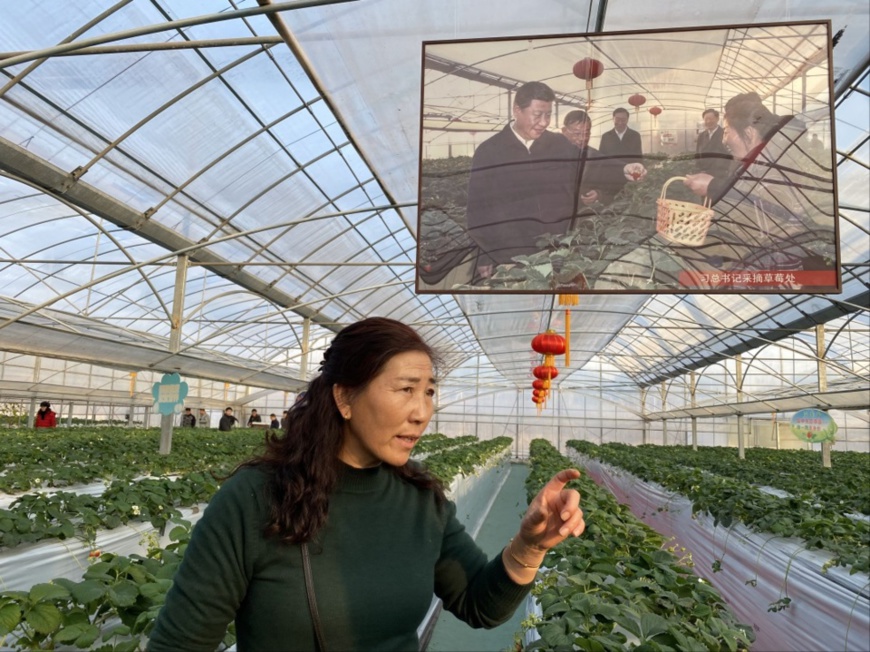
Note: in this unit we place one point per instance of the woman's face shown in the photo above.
(739, 143)
(388, 417)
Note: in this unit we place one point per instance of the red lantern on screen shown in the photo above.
(588, 69)
(637, 100)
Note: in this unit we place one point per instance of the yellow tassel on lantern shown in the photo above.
(568, 300)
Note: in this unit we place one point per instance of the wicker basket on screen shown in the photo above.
(682, 221)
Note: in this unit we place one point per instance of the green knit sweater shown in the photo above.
(383, 552)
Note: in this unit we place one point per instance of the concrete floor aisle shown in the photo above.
(453, 635)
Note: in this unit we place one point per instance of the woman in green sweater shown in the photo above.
(338, 489)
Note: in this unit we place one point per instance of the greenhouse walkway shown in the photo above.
(453, 635)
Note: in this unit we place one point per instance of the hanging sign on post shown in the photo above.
(169, 394)
(814, 426)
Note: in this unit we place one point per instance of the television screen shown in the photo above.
(685, 161)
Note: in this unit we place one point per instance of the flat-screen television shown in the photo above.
(696, 160)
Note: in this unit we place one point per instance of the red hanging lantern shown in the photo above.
(539, 384)
(588, 69)
(656, 111)
(545, 372)
(549, 343)
(637, 100)
(540, 393)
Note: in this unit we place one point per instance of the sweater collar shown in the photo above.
(362, 481)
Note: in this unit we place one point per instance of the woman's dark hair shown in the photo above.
(746, 110)
(303, 462)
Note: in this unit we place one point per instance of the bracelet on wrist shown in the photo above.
(516, 559)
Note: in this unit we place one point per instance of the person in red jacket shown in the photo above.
(45, 417)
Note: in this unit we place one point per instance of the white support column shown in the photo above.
(177, 318)
(477, 398)
(693, 385)
(664, 390)
(823, 385)
(645, 423)
(31, 413)
(131, 409)
(738, 363)
(306, 347)
(177, 323)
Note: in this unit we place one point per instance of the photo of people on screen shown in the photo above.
(666, 174)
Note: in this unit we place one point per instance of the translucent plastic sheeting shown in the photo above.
(505, 325)
(828, 611)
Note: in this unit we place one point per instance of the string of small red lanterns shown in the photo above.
(549, 344)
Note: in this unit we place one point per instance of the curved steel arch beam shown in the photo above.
(163, 27)
(84, 214)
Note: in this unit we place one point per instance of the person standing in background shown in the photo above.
(274, 422)
(227, 420)
(621, 142)
(203, 420)
(254, 418)
(45, 416)
(712, 156)
(187, 419)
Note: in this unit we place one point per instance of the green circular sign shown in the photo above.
(813, 426)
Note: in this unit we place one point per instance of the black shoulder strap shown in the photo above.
(312, 601)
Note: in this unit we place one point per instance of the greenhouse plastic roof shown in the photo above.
(279, 153)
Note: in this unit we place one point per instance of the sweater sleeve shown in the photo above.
(212, 579)
(477, 591)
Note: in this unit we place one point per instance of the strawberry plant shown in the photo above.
(616, 588)
(728, 499)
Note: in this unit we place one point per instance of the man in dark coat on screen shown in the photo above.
(621, 142)
(711, 154)
(522, 182)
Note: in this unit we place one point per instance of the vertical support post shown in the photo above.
(645, 427)
(664, 391)
(775, 428)
(166, 433)
(437, 408)
(823, 385)
(306, 347)
(741, 450)
(600, 403)
(69, 415)
(520, 409)
(177, 322)
(477, 398)
(177, 317)
(693, 386)
(31, 413)
(131, 407)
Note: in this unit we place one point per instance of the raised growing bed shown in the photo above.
(795, 599)
(621, 585)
